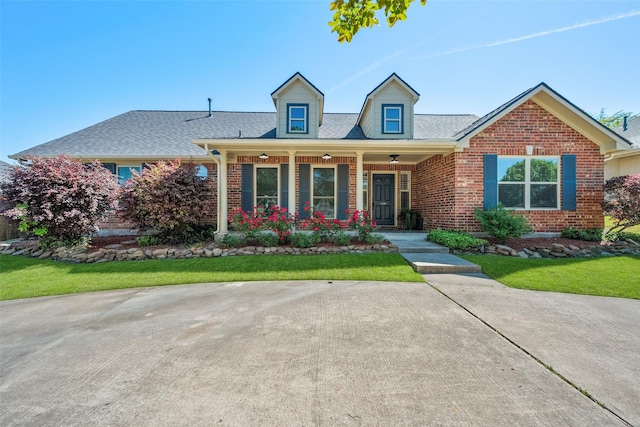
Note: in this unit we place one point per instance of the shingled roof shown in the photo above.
(170, 134)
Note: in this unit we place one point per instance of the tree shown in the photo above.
(614, 120)
(169, 197)
(352, 15)
(59, 199)
(622, 202)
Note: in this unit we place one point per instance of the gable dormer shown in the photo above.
(299, 107)
(387, 112)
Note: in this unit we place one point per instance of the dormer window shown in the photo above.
(392, 118)
(297, 118)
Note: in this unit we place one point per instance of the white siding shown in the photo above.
(392, 93)
(298, 93)
(622, 166)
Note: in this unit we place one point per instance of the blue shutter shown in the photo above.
(111, 167)
(490, 181)
(343, 191)
(304, 184)
(284, 186)
(569, 184)
(247, 188)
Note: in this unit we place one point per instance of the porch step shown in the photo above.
(429, 263)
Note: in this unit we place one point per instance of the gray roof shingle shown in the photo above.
(170, 134)
(633, 131)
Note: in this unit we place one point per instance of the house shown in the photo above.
(625, 162)
(537, 153)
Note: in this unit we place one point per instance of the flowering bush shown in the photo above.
(275, 219)
(59, 199)
(319, 225)
(363, 223)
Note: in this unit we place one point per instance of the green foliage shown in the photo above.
(267, 239)
(169, 197)
(233, 241)
(305, 240)
(351, 15)
(373, 238)
(622, 236)
(615, 119)
(341, 239)
(502, 224)
(363, 223)
(147, 240)
(587, 234)
(458, 240)
(251, 225)
(412, 218)
(59, 199)
(320, 225)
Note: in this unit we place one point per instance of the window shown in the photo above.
(266, 187)
(324, 191)
(405, 190)
(126, 172)
(365, 190)
(297, 118)
(528, 183)
(392, 118)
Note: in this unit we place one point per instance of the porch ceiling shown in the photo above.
(373, 151)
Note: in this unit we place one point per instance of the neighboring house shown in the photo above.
(8, 229)
(5, 171)
(625, 162)
(538, 153)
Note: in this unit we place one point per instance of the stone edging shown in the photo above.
(79, 254)
(556, 250)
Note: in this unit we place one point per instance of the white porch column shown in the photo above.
(359, 187)
(223, 209)
(292, 182)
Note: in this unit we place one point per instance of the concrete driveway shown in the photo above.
(265, 353)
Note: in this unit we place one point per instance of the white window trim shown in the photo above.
(386, 120)
(527, 182)
(305, 119)
(255, 182)
(408, 190)
(365, 197)
(335, 188)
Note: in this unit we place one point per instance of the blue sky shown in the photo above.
(68, 65)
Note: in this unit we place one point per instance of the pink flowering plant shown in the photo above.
(362, 222)
(251, 225)
(324, 228)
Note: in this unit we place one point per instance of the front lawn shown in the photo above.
(22, 277)
(605, 276)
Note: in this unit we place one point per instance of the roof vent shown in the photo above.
(209, 99)
(624, 123)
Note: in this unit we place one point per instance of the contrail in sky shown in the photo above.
(535, 35)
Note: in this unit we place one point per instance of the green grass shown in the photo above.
(22, 277)
(605, 276)
(608, 223)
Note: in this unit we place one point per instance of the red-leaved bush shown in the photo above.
(59, 199)
(169, 197)
(622, 201)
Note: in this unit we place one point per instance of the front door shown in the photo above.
(383, 200)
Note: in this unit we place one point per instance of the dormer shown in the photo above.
(299, 107)
(387, 112)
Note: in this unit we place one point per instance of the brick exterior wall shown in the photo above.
(529, 124)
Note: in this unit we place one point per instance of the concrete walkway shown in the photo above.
(428, 257)
(313, 353)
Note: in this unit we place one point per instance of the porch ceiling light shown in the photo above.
(263, 156)
(327, 156)
(394, 158)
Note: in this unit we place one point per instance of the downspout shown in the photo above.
(210, 154)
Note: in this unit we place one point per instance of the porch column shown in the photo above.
(223, 209)
(359, 187)
(292, 182)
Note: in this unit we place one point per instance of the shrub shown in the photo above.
(502, 224)
(373, 238)
(622, 202)
(587, 234)
(458, 240)
(320, 225)
(233, 241)
(147, 240)
(251, 225)
(305, 240)
(362, 222)
(341, 238)
(60, 200)
(267, 239)
(169, 197)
